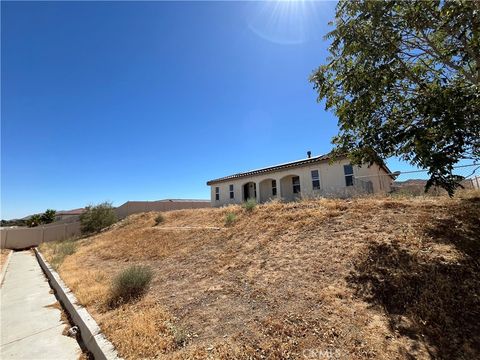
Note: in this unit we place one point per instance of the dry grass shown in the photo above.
(3, 257)
(365, 278)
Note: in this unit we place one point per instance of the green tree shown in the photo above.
(48, 216)
(34, 220)
(403, 79)
(97, 217)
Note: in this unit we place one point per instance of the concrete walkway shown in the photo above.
(30, 328)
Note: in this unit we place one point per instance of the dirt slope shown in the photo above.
(366, 278)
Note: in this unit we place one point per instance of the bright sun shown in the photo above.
(284, 21)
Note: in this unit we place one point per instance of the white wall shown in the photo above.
(332, 181)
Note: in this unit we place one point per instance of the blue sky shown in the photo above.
(126, 101)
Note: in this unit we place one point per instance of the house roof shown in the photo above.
(71, 212)
(268, 169)
(291, 164)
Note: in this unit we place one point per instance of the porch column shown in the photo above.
(257, 191)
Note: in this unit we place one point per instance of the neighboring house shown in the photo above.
(69, 215)
(309, 177)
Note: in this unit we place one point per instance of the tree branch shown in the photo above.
(446, 60)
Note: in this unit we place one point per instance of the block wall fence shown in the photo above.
(23, 237)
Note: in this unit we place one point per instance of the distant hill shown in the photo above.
(417, 186)
(411, 182)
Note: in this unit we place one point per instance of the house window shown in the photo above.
(315, 180)
(232, 194)
(217, 193)
(274, 187)
(348, 171)
(296, 184)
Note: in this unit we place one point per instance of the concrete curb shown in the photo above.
(4, 268)
(90, 332)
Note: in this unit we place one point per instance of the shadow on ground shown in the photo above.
(427, 297)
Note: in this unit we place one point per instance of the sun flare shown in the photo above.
(285, 21)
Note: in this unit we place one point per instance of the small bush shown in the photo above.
(250, 204)
(97, 217)
(130, 283)
(61, 250)
(180, 336)
(159, 219)
(230, 218)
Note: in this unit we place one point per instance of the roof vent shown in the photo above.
(309, 154)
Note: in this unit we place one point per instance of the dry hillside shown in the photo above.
(348, 279)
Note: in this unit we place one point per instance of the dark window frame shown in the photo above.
(217, 193)
(315, 179)
(348, 172)
(274, 187)
(232, 191)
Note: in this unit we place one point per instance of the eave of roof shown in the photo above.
(273, 168)
(389, 172)
(291, 164)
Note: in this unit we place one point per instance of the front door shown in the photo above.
(249, 191)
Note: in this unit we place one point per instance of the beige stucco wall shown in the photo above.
(332, 182)
(377, 175)
(134, 207)
(21, 238)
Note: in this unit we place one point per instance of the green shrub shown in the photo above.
(97, 217)
(61, 250)
(230, 218)
(159, 219)
(250, 204)
(130, 283)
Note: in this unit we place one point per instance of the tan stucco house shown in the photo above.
(310, 177)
